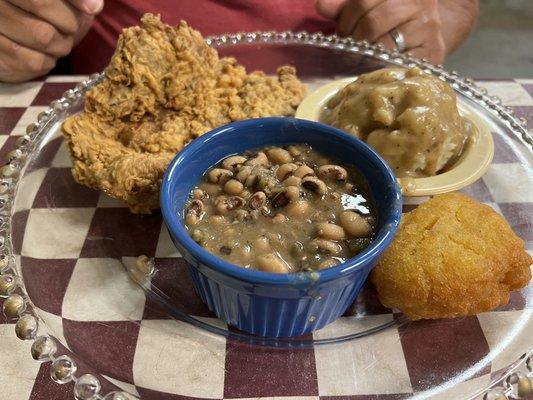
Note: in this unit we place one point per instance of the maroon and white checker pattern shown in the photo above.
(87, 301)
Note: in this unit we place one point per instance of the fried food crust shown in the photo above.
(163, 88)
(451, 257)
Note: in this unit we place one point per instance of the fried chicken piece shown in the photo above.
(163, 88)
(451, 257)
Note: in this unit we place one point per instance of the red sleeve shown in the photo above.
(208, 16)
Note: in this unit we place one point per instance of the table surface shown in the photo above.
(22, 378)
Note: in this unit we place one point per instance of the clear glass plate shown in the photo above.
(74, 250)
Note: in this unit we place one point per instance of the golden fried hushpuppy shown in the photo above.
(451, 257)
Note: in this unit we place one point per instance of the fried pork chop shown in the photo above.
(164, 87)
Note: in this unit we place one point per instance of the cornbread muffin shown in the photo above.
(451, 257)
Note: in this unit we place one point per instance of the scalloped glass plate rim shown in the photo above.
(17, 160)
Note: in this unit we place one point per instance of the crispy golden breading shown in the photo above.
(164, 87)
(452, 257)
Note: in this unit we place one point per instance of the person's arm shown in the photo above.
(431, 28)
(458, 18)
(34, 34)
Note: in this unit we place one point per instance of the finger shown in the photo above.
(91, 7)
(352, 11)
(19, 63)
(330, 9)
(384, 17)
(419, 52)
(434, 51)
(387, 42)
(59, 13)
(412, 31)
(422, 39)
(86, 22)
(32, 32)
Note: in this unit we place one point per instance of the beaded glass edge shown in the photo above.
(516, 382)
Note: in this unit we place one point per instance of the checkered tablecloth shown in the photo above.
(87, 301)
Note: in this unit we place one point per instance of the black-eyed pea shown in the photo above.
(194, 212)
(330, 231)
(241, 215)
(314, 184)
(261, 244)
(285, 170)
(302, 171)
(199, 194)
(279, 218)
(233, 187)
(198, 235)
(191, 219)
(271, 262)
(196, 207)
(228, 204)
(287, 195)
(243, 173)
(293, 193)
(251, 180)
(292, 181)
(233, 161)
(257, 200)
(259, 159)
(221, 208)
(266, 211)
(330, 262)
(277, 155)
(294, 151)
(354, 224)
(219, 175)
(298, 209)
(334, 172)
(324, 246)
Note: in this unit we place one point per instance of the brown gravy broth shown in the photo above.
(282, 209)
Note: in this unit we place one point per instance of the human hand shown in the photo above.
(373, 20)
(34, 34)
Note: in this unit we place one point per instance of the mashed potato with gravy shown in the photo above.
(409, 117)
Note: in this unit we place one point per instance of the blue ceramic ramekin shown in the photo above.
(269, 304)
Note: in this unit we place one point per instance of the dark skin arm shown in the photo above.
(432, 28)
(34, 34)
